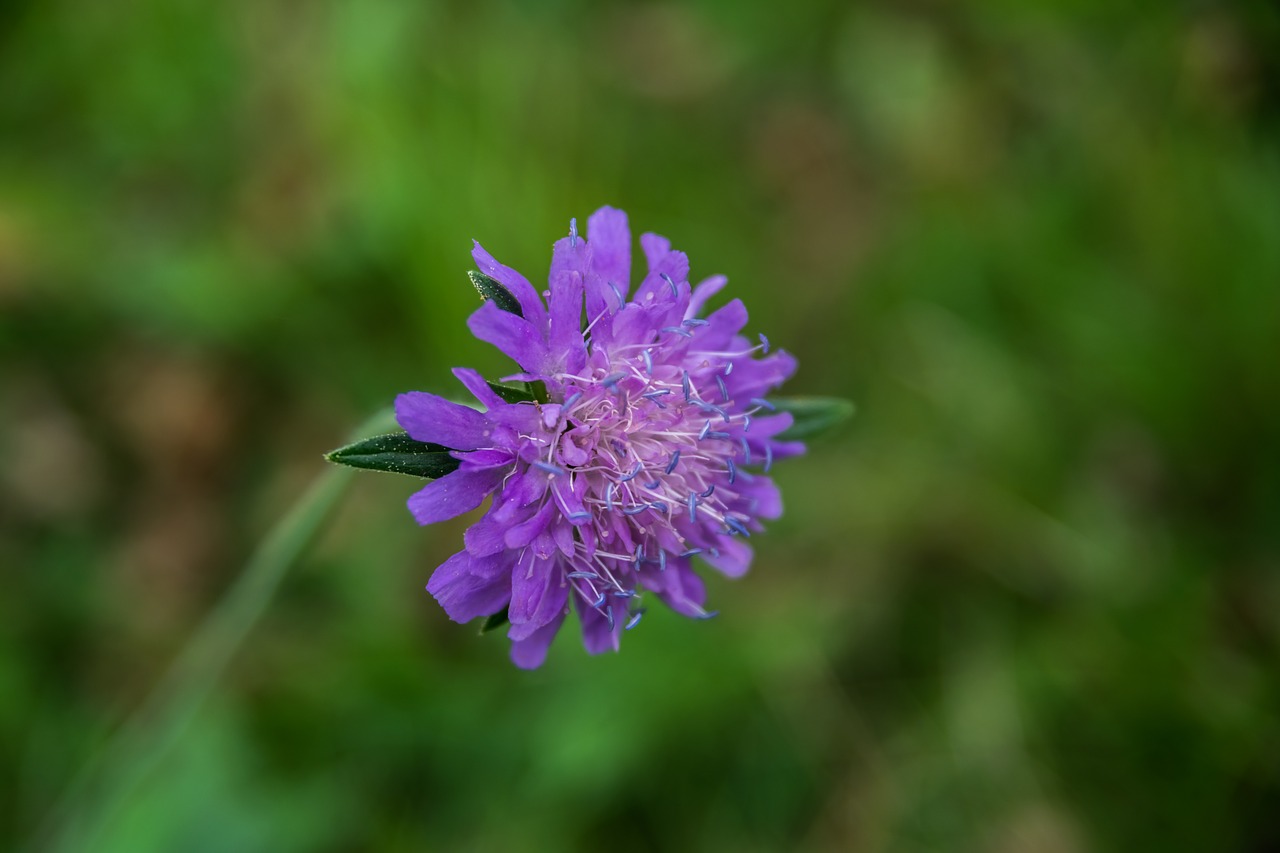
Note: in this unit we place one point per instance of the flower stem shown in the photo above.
(109, 779)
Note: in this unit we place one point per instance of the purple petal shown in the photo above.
(427, 417)
(597, 636)
(566, 320)
(519, 286)
(537, 595)
(479, 388)
(610, 239)
(520, 535)
(453, 494)
(734, 557)
(517, 338)
(704, 291)
(466, 594)
(722, 324)
(485, 537)
(683, 590)
(530, 652)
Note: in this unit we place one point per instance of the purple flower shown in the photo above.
(652, 449)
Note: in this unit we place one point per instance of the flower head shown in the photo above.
(651, 449)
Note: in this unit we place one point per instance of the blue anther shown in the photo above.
(764, 342)
(763, 403)
(573, 398)
(728, 368)
(608, 496)
(653, 484)
(661, 392)
(634, 620)
(648, 361)
(684, 383)
(599, 601)
(619, 446)
(639, 555)
(554, 470)
(678, 330)
(768, 457)
(573, 233)
(709, 491)
(591, 575)
(579, 516)
(668, 280)
(659, 506)
(675, 460)
(635, 510)
(746, 450)
(624, 593)
(608, 614)
(662, 561)
(654, 400)
(692, 552)
(706, 428)
(736, 526)
(724, 392)
(634, 472)
(715, 433)
(733, 470)
(693, 508)
(695, 321)
(710, 614)
(746, 423)
(622, 303)
(611, 380)
(715, 552)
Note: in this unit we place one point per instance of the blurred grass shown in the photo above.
(1026, 602)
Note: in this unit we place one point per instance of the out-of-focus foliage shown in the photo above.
(1026, 601)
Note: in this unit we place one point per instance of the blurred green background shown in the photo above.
(1028, 601)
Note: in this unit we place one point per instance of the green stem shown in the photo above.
(105, 785)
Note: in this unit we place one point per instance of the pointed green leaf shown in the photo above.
(492, 289)
(538, 391)
(813, 415)
(512, 394)
(397, 453)
(494, 622)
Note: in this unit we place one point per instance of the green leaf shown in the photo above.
(397, 453)
(491, 289)
(494, 622)
(537, 391)
(813, 415)
(512, 394)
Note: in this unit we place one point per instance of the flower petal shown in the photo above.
(537, 595)
(479, 388)
(427, 417)
(531, 652)
(733, 557)
(465, 593)
(519, 286)
(706, 289)
(453, 494)
(597, 635)
(516, 337)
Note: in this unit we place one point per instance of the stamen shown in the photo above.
(695, 321)
(710, 614)
(653, 484)
(635, 510)
(622, 303)
(684, 383)
(678, 330)
(634, 473)
(705, 429)
(639, 557)
(608, 614)
(648, 361)
(746, 423)
(768, 457)
(573, 398)
(573, 233)
(715, 433)
(634, 620)
(692, 552)
(662, 560)
(672, 284)
(608, 496)
(728, 368)
(599, 601)
(591, 575)
(554, 470)
(710, 489)
(659, 506)
(724, 392)
(746, 450)
(764, 342)
(611, 381)
(579, 516)
(764, 404)
(736, 526)
(624, 593)
(733, 471)
(693, 508)
(675, 459)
